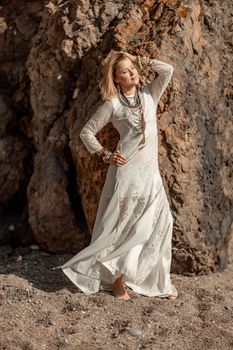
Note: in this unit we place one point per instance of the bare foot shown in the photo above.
(119, 289)
(172, 297)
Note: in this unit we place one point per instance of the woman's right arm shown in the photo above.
(101, 117)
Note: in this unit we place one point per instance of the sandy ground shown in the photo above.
(42, 309)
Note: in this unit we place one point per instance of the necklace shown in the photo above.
(134, 112)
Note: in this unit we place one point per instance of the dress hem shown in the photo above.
(101, 285)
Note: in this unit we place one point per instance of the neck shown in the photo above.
(128, 91)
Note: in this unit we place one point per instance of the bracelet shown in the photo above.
(105, 154)
(142, 60)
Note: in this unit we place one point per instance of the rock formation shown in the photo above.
(50, 61)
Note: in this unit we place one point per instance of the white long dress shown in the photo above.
(133, 228)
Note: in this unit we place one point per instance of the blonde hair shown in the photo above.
(107, 85)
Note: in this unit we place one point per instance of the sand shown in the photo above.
(42, 309)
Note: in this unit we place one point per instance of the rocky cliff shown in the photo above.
(50, 60)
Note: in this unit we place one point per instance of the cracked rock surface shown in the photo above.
(50, 60)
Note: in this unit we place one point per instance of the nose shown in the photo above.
(132, 72)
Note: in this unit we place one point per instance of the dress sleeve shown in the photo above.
(101, 117)
(159, 84)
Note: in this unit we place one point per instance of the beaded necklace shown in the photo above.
(136, 117)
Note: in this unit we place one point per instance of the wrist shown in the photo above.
(100, 152)
(105, 154)
(143, 60)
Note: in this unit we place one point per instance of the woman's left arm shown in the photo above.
(165, 71)
(159, 84)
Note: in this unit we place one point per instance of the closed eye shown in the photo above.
(126, 70)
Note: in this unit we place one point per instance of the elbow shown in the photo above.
(82, 134)
(168, 71)
(171, 69)
(85, 136)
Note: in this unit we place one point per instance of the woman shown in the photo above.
(131, 239)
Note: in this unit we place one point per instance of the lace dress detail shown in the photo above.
(133, 226)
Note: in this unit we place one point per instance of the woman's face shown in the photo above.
(126, 74)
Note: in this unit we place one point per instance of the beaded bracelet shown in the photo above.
(105, 154)
(142, 60)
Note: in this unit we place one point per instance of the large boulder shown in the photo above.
(55, 92)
